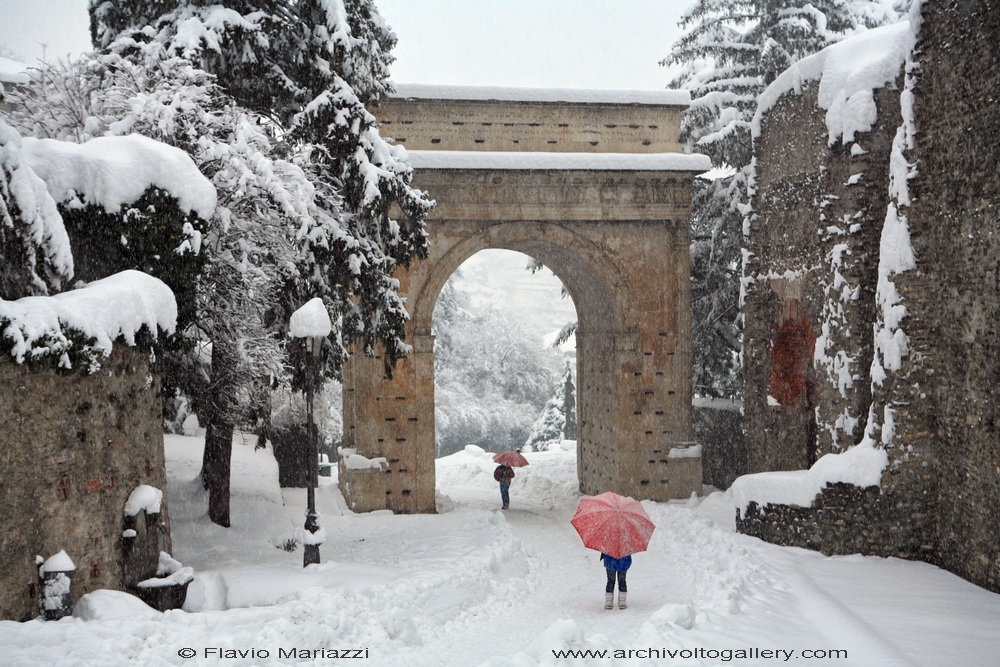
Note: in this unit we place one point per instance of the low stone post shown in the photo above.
(55, 586)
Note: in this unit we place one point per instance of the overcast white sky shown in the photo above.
(536, 43)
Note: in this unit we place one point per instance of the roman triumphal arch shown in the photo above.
(592, 184)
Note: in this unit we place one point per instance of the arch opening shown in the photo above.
(499, 383)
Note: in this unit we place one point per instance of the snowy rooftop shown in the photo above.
(12, 71)
(514, 94)
(421, 159)
(848, 72)
(104, 310)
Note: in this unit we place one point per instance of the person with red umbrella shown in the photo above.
(617, 527)
(504, 473)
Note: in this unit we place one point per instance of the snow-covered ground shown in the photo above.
(476, 586)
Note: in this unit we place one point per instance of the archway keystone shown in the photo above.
(590, 183)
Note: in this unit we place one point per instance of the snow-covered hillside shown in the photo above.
(476, 586)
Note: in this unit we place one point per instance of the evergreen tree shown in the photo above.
(35, 256)
(310, 67)
(730, 51)
(548, 428)
(557, 422)
(491, 379)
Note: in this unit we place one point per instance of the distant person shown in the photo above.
(504, 475)
(616, 569)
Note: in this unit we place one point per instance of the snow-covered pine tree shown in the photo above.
(296, 63)
(557, 421)
(311, 66)
(35, 256)
(276, 228)
(548, 428)
(730, 51)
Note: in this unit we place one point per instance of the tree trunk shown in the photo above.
(216, 470)
(217, 459)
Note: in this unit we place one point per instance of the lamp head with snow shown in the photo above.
(311, 322)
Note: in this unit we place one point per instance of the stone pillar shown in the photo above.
(391, 423)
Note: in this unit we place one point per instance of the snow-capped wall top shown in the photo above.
(119, 305)
(538, 161)
(861, 465)
(115, 171)
(514, 94)
(848, 73)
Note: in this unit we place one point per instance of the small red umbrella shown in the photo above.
(512, 459)
(613, 524)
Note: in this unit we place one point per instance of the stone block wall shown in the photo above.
(72, 448)
(843, 519)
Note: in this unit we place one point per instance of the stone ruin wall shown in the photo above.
(939, 499)
(814, 239)
(72, 449)
(947, 396)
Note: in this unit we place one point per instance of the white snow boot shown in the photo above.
(621, 600)
(609, 600)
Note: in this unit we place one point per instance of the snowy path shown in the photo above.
(473, 585)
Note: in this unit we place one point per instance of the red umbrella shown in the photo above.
(512, 459)
(613, 524)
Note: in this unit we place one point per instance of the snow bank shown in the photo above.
(861, 465)
(524, 160)
(518, 94)
(107, 605)
(112, 172)
(104, 310)
(848, 73)
(310, 321)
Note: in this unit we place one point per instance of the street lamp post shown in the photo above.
(311, 322)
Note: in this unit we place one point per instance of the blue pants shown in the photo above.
(622, 587)
(505, 494)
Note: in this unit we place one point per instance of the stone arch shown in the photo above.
(614, 228)
(590, 277)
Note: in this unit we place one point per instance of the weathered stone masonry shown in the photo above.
(617, 238)
(939, 499)
(72, 448)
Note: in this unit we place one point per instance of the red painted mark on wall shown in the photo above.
(791, 353)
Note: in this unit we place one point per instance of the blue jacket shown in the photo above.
(617, 564)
